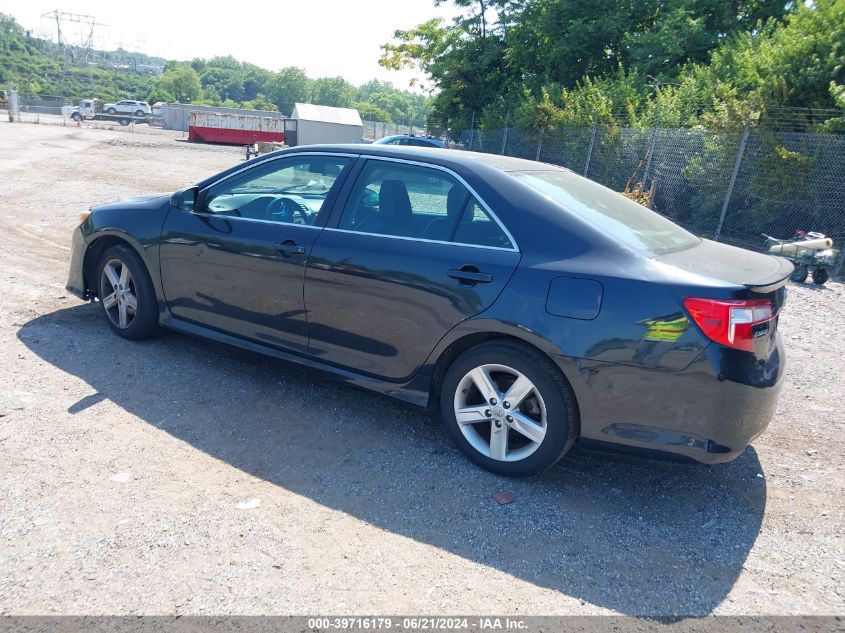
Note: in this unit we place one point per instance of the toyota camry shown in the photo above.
(530, 307)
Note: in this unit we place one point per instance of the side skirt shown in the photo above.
(399, 391)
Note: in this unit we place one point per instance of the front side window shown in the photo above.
(288, 190)
(403, 200)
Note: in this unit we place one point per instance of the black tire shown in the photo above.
(75, 116)
(799, 274)
(555, 392)
(144, 322)
(820, 276)
(112, 111)
(124, 121)
(139, 113)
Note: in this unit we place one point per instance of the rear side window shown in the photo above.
(403, 200)
(629, 223)
(413, 201)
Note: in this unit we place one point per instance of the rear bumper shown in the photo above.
(708, 412)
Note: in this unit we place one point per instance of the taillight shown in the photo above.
(731, 322)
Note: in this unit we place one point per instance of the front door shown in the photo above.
(236, 262)
(414, 253)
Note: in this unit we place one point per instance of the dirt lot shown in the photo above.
(129, 472)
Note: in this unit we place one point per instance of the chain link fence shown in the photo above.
(374, 130)
(729, 186)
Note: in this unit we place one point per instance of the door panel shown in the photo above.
(238, 276)
(237, 263)
(380, 304)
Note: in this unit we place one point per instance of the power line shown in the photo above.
(87, 24)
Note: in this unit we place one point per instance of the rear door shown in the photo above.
(236, 263)
(412, 253)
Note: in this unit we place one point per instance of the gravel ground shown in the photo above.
(181, 477)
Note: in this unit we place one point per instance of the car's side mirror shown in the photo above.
(185, 199)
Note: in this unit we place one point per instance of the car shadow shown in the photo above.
(640, 537)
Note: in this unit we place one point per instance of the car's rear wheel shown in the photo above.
(139, 113)
(820, 276)
(799, 274)
(126, 293)
(508, 409)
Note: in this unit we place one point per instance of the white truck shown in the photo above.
(90, 110)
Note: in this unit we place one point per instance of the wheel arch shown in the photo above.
(468, 341)
(95, 250)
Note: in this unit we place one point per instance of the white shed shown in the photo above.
(326, 124)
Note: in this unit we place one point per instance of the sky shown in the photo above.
(325, 37)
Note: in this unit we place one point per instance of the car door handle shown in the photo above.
(470, 275)
(289, 247)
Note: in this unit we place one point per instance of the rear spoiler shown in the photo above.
(774, 281)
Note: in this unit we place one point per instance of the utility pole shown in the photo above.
(87, 22)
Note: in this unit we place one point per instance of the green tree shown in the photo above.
(289, 86)
(334, 91)
(226, 82)
(369, 112)
(537, 49)
(182, 82)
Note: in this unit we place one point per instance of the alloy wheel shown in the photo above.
(118, 294)
(500, 412)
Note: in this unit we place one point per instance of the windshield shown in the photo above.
(626, 221)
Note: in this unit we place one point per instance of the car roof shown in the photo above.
(458, 158)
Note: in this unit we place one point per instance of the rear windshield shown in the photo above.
(624, 220)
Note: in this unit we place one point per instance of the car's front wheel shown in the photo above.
(126, 293)
(112, 111)
(508, 408)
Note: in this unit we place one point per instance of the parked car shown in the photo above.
(411, 140)
(135, 108)
(532, 307)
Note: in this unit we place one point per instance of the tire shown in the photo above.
(75, 116)
(549, 404)
(136, 323)
(139, 113)
(820, 276)
(124, 121)
(112, 111)
(799, 275)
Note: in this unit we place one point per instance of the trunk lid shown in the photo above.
(756, 271)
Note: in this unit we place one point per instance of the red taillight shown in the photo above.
(731, 322)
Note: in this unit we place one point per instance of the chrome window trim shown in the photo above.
(481, 201)
(420, 239)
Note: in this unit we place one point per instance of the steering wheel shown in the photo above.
(286, 210)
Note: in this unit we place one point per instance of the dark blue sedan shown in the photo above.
(411, 140)
(533, 308)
